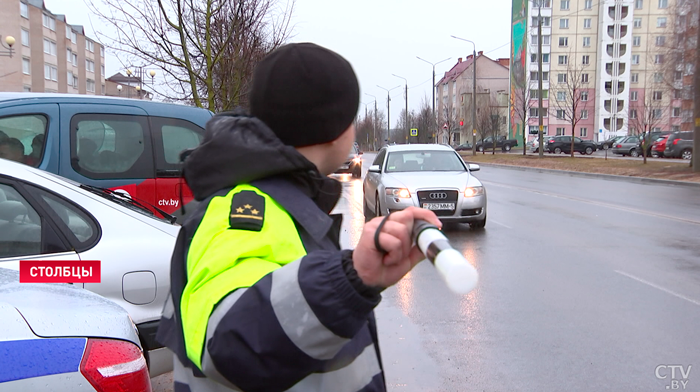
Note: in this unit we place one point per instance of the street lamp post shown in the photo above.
(473, 95)
(388, 115)
(406, 114)
(128, 82)
(7, 44)
(119, 88)
(434, 64)
(374, 123)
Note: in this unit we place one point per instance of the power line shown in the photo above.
(502, 46)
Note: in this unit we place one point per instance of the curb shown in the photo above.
(611, 177)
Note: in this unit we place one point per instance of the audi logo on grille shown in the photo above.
(438, 195)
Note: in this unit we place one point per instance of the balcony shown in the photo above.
(619, 122)
(620, 105)
(623, 12)
(609, 68)
(623, 31)
(620, 87)
(610, 50)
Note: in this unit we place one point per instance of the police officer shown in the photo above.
(262, 296)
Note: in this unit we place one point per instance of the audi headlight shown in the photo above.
(357, 159)
(398, 192)
(474, 191)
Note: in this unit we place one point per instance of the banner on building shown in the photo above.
(518, 62)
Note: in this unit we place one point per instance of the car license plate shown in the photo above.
(439, 206)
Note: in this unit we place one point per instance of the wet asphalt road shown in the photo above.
(585, 285)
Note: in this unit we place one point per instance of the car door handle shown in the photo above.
(170, 173)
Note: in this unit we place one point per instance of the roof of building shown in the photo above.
(462, 66)
(121, 78)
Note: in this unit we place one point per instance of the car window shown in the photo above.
(633, 139)
(174, 136)
(415, 161)
(577, 140)
(83, 229)
(379, 159)
(20, 225)
(22, 138)
(111, 146)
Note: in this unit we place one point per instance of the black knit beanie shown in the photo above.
(305, 93)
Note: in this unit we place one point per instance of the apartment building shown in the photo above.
(622, 59)
(453, 96)
(50, 55)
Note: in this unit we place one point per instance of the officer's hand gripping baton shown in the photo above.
(460, 276)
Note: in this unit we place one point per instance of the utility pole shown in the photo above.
(388, 116)
(539, 78)
(406, 114)
(434, 118)
(695, 162)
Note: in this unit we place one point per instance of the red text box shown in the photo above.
(63, 271)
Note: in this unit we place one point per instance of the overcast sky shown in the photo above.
(379, 38)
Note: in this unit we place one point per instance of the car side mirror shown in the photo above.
(375, 169)
(474, 167)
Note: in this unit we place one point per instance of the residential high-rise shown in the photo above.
(615, 67)
(50, 54)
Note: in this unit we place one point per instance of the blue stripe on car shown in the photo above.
(21, 359)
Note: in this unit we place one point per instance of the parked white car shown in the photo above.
(47, 217)
(58, 337)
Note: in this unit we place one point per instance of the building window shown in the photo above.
(49, 23)
(102, 51)
(534, 76)
(27, 89)
(90, 65)
(563, 41)
(657, 95)
(584, 78)
(635, 59)
(49, 47)
(534, 112)
(676, 128)
(103, 89)
(25, 37)
(561, 96)
(546, 20)
(586, 23)
(660, 40)
(588, 4)
(586, 41)
(658, 77)
(560, 131)
(633, 114)
(563, 60)
(545, 57)
(565, 4)
(656, 113)
(586, 59)
(637, 23)
(90, 85)
(73, 37)
(634, 78)
(563, 23)
(638, 4)
(678, 75)
(69, 55)
(26, 66)
(584, 114)
(637, 40)
(584, 96)
(50, 72)
(542, 3)
(24, 10)
(75, 59)
(68, 31)
(561, 78)
(546, 39)
(661, 22)
(584, 131)
(560, 114)
(70, 79)
(633, 96)
(102, 69)
(663, 3)
(676, 112)
(89, 46)
(677, 93)
(659, 59)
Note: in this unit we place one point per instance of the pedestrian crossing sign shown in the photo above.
(414, 131)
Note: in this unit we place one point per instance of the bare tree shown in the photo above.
(424, 121)
(206, 49)
(449, 118)
(489, 124)
(565, 95)
(523, 100)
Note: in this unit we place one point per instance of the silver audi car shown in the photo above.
(430, 176)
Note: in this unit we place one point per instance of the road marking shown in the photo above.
(597, 203)
(499, 223)
(658, 287)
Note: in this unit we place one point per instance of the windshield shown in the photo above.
(418, 161)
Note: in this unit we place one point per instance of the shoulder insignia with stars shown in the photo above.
(247, 211)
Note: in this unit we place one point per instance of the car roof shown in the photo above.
(418, 147)
(150, 107)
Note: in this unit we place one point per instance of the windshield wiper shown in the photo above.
(128, 200)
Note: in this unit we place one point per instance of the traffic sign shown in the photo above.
(414, 131)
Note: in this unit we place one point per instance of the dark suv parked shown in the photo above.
(559, 144)
(679, 145)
